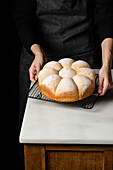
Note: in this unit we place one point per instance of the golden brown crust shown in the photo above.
(67, 89)
(87, 93)
(47, 92)
(66, 62)
(80, 64)
(53, 64)
(84, 84)
(49, 85)
(87, 72)
(45, 73)
(67, 97)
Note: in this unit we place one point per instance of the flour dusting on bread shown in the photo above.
(67, 72)
(66, 80)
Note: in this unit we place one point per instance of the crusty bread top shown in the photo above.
(87, 72)
(53, 64)
(80, 64)
(66, 80)
(51, 82)
(66, 62)
(83, 83)
(66, 85)
(45, 73)
(67, 72)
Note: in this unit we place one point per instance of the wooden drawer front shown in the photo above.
(68, 157)
(74, 160)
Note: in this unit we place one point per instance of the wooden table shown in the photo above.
(61, 137)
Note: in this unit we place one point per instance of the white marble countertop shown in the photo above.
(53, 123)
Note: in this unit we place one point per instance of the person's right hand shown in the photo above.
(38, 62)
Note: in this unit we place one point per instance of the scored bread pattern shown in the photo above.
(66, 80)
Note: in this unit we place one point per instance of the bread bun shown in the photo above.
(80, 64)
(45, 73)
(67, 72)
(53, 64)
(66, 62)
(88, 73)
(84, 84)
(49, 85)
(66, 80)
(66, 91)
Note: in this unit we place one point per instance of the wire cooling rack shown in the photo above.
(87, 103)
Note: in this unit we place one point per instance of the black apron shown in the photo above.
(64, 29)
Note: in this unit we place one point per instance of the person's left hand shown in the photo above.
(105, 80)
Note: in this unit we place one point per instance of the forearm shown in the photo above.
(38, 62)
(105, 78)
(107, 52)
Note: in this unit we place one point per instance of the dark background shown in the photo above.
(10, 50)
(10, 56)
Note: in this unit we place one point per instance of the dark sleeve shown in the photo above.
(104, 18)
(24, 12)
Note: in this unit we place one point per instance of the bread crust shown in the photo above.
(53, 64)
(47, 92)
(45, 73)
(67, 97)
(80, 64)
(67, 89)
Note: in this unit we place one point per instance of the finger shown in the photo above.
(32, 73)
(32, 77)
(100, 86)
(105, 87)
(95, 94)
(37, 71)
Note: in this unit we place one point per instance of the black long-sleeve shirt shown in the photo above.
(25, 19)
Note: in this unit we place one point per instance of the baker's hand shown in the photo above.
(38, 62)
(105, 80)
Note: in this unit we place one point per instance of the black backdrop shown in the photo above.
(10, 56)
(10, 50)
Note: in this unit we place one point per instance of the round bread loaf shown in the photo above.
(66, 80)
